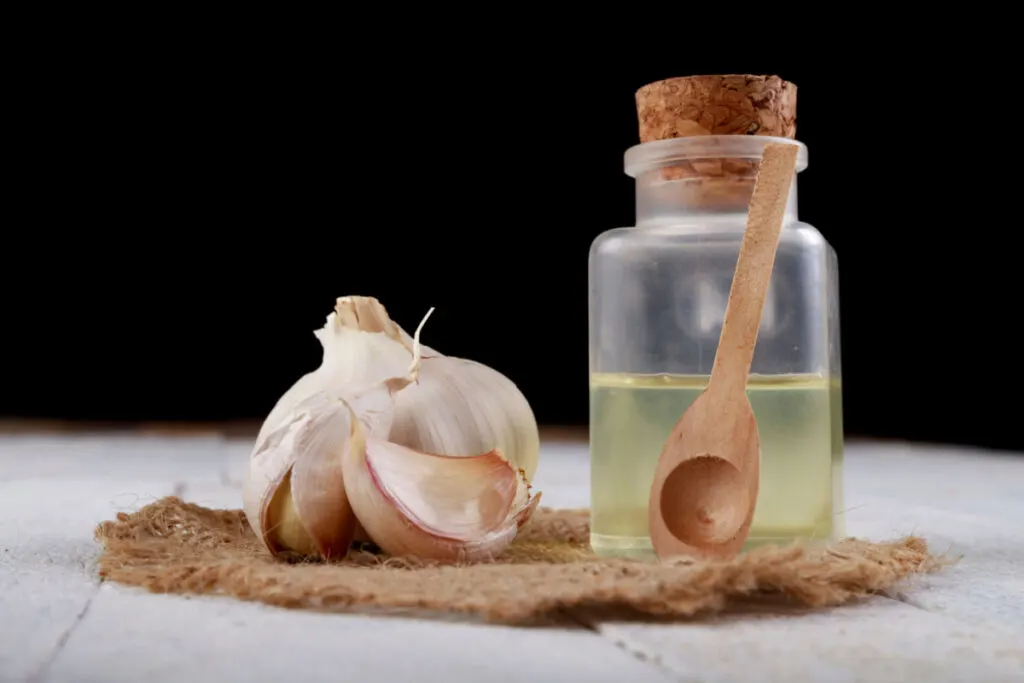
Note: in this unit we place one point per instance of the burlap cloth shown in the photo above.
(171, 546)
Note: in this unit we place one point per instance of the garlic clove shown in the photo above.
(269, 466)
(287, 533)
(460, 407)
(306, 511)
(444, 508)
(317, 488)
(460, 502)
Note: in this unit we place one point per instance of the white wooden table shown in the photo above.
(59, 624)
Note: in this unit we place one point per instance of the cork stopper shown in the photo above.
(694, 106)
(716, 105)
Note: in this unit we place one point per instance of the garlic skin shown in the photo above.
(442, 508)
(326, 468)
(359, 351)
(457, 407)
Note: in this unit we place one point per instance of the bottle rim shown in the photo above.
(662, 153)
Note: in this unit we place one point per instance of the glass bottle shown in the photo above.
(657, 300)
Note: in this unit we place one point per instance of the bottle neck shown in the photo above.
(708, 192)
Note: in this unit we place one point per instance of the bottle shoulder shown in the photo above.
(684, 237)
(805, 233)
(611, 241)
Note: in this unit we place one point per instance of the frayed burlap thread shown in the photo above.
(171, 546)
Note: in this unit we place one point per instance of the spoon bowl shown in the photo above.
(706, 483)
(704, 501)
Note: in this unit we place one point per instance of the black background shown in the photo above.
(182, 219)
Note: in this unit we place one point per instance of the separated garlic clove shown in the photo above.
(317, 491)
(269, 467)
(456, 407)
(443, 508)
(306, 511)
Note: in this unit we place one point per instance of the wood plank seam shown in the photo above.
(40, 674)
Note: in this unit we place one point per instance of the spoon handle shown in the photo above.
(753, 268)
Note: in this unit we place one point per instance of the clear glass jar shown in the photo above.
(657, 300)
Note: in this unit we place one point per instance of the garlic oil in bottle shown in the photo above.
(632, 414)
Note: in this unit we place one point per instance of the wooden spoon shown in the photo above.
(706, 482)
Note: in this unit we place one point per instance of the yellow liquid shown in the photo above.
(799, 421)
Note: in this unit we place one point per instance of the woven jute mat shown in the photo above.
(171, 546)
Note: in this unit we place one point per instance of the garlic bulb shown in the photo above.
(326, 467)
(457, 406)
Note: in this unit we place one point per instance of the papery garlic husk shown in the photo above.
(456, 407)
(436, 507)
